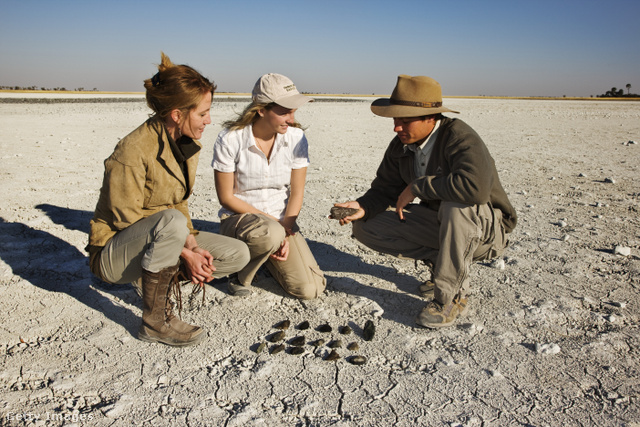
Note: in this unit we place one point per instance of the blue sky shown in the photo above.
(513, 48)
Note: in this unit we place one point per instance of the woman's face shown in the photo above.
(278, 118)
(199, 117)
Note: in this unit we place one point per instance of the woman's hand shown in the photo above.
(199, 262)
(289, 224)
(283, 252)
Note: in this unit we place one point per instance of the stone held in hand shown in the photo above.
(338, 212)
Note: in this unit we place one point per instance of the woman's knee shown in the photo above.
(312, 290)
(306, 285)
(241, 254)
(266, 237)
(172, 222)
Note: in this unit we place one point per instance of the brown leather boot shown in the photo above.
(159, 324)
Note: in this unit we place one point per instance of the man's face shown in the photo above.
(413, 129)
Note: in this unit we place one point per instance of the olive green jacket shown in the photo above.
(141, 177)
(460, 169)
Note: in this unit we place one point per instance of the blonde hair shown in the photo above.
(250, 115)
(175, 87)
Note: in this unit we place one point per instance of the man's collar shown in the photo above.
(415, 147)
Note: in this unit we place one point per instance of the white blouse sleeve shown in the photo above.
(300, 153)
(225, 151)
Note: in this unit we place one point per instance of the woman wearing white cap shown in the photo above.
(260, 163)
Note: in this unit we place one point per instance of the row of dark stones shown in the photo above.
(297, 343)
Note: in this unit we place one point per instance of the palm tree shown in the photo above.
(628, 88)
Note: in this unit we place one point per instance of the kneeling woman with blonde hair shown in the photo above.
(260, 164)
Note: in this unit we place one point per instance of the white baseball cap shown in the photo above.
(279, 89)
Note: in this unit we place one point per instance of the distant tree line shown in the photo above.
(80, 89)
(619, 93)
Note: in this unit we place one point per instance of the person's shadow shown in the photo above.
(401, 307)
(398, 306)
(54, 265)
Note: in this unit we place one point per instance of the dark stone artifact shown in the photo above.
(353, 346)
(278, 336)
(261, 347)
(297, 341)
(335, 344)
(339, 213)
(345, 330)
(325, 328)
(296, 350)
(369, 330)
(318, 343)
(304, 325)
(332, 356)
(283, 325)
(357, 360)
(276, 349)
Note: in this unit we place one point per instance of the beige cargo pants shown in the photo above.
(300, 275)
(453, 237)
(155, 243)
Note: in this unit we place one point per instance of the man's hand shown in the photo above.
(355, 216)
(404, 199)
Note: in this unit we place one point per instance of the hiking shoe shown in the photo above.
(436, 315)
(427, 289)
(236, 288)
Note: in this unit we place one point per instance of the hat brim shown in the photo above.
(294, 101)
(383, 107)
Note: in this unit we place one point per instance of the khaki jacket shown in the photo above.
(141, 178)
(460, 169)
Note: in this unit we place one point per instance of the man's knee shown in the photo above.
(357, 230)
(453, 211)
(363, 232)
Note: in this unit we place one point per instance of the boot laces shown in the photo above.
(175, 288)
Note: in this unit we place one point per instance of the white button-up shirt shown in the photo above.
(264, 184)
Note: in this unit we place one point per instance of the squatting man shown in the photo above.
(463, 213)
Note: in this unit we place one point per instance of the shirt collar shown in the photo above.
(183, 148)
(250, 140)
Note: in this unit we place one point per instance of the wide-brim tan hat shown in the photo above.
(279, 89)
(412, 97)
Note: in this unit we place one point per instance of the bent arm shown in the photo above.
(296, 196)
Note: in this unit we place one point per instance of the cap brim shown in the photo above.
(294, 101)
(383, 107)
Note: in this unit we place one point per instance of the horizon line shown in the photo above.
(90, 92)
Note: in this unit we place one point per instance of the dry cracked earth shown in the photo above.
(551, 338)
